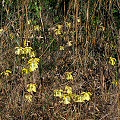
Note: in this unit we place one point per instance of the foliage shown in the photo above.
(67, 96)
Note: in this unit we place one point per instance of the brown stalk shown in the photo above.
(118, 96)
(76, 28)
(87, 32)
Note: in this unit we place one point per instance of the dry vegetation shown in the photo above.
(79, 37)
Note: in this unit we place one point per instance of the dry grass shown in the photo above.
(93, 34)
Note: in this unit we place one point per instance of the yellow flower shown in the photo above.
(1, 30)
(6, 73)
(58, 93)
(69, 43)
(37, 28)
(69, 76)
(78, 98)
(32, 54)
(59, 27)
(86, 95)
(68, 24)
(68, 90)
(12, 36)
(33, 63)
(28, 97)
(29, 22)
(112, 61)
(33, 67)
(66, 99)
(31, 87)
(81, 98)
(61, 47)
(34, 60)
(27, 50)
(78, 20)
(67, 96)
(19, 50)
(57, 32)
(115, 82)
(24, 70)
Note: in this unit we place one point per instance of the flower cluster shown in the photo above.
(67, 96)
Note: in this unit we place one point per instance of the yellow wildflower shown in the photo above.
(31, 87)
(28, 97)
(112, 61)
(68, 89)
(86, 95)
(69, 76)
(58, 93)
(24, 70)
(61, 47)
(66, 99)
(78, 98)
(6, 73)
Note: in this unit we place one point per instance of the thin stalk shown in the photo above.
(76, 28)
(118, 95)
(87, 33)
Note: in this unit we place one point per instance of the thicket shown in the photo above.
(59, 59)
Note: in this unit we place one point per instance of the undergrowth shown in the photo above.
(59, 60)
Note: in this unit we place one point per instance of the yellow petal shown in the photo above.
(66, 99)
(19, 50)
(61, 47)
(68, 89)
(31, 87)
(58, 93)
(69, 76)
(6, 73)
(34, 60)
(11, 36)
(27, 50)
(24, 70)
(37, 27)
(57, 32)
(28, 97)
(78, 20)
(32, 54)
(59, 27)
(33, 67)
(115, 82)
(112, 61)
(78, 98)
(69, 43)
(29, 22)
(68, 24)
(1, 30)
(86, 97)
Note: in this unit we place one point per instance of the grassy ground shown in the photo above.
(83, 41)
